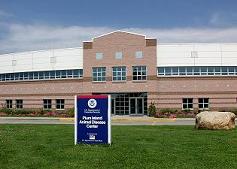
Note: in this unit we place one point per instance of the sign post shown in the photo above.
(92, 119)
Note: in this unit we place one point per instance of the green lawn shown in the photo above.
(51, 146)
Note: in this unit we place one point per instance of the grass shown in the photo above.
(138, 147)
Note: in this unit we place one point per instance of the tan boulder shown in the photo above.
(215, 120)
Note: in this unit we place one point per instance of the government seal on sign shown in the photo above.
(92, 103)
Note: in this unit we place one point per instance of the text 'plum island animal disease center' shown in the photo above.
(92, 119)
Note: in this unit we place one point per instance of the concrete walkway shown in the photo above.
(116, 120)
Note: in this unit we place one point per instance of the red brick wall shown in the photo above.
(128, 44)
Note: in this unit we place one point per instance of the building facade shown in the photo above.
(135, 70)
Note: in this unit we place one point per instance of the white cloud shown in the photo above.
(19, 37)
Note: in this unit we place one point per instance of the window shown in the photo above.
(47, 103)
(36, 75)
(12, 76)
(231, 70)
(197, 71)
(19, 104)
(59, 104)
(46, 75)
(139, 54)
(189, 70)
(168, 71)
(217, 70)
(203, 103)
(175, 71)
(69, 73)
(224, 71)
(58, 74)
(203, 70)
(26, 76)
(210, 70)
(98, 74)
(119, 73)
(99, 56)
(76, 73)
(187, 103)
(31, 76)
(139, 72)
(9, 104)
(52, 74)
(118, 55)
(182, 70)
(42, 75)
(63, 74)
(161, 71)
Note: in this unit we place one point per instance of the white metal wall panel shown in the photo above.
(229, 58)
(174, 55)
(69, 58)
(169, 54)
(229, 54)
(207, 54)
(24, 62)
(41, 60)
(6, 63)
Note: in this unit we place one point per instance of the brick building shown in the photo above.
(134, 69)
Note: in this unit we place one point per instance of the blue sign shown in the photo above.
(92, 119)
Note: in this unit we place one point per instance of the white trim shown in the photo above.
(75, 119)
(196, 43)
(41, 50)
(105, 34)
(109, 119)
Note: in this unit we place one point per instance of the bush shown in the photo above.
(70, 112)
(168, 111)
(22, 112)
(152, 109)
(173, 113)
(234, 111)
(6, 110)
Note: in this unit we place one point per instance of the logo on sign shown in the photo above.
(92, 137)
(92, 103)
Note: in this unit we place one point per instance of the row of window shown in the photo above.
(47, 104)
(119, 55)
(42, 75)
(197, 71)
(203, 103)
(119, 73)
(19, 104)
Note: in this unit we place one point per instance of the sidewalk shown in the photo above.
(116, 120)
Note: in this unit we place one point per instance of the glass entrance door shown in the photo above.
(136, 106)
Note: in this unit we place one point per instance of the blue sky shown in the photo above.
(43, 24)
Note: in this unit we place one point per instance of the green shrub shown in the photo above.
(22, 111)
(70, 112)
(152, 109)
(234, 111)
(7, 111)
(187, 110)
